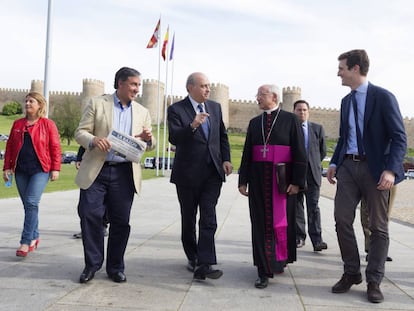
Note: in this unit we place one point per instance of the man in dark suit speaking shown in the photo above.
(202, 159)
(367, 163)
(315, 151)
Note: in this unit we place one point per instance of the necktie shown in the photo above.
(205, 125)
(305, 135)
(357, 129)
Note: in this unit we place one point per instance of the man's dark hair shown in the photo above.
(356, 57)
(300, 101)
(124, 73)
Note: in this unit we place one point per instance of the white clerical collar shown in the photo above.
(269, 111)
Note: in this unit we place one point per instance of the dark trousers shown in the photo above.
(312, 211)
(203, 197)
(355, 182)
(113, 192)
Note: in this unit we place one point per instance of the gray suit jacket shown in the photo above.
(97, 121)
(317, 150)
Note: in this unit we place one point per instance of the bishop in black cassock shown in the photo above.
(273, 138)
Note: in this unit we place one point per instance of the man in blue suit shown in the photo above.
(202, 159)
(367, 162)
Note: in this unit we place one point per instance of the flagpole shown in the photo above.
(158, 104)
(171, 95)
(165, 102)
(47, 56)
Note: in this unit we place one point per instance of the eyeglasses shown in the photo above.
(261, 94)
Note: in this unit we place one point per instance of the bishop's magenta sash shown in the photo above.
(276, 154)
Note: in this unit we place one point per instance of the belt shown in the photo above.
(355, 157)
(114, 163)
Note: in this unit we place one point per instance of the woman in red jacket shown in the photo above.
(33, 155)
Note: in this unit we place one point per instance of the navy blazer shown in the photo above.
(316, 150)
(192, 147)
(384, 137)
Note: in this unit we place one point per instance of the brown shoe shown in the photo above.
(345, 283)
(374, 293)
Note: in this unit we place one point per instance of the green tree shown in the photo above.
(66, 116)
(12, 108)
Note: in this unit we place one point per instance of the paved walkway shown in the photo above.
(155, 263)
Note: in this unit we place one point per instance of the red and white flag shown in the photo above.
(153, 42)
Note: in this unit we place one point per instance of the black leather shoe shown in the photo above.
(86, 275)
(261, 282)
(118, 277)
(320, 246)
(300, 243)
(205, 271)
(191, 265)
(345, 283)
(374, 293)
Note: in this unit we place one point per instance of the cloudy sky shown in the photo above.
(242, 44)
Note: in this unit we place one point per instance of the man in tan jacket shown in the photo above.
(108, 180)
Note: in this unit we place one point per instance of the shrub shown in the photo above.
(12, 108)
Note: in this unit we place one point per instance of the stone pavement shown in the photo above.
(156, 266)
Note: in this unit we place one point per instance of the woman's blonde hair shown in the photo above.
(42, 103)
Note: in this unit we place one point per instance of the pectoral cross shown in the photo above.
(264, 150)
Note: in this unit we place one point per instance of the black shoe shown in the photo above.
(86, 275)
(300, 243)
(320, 246)
(345, 283)
(118, 277)
(191, 265)
(205, 271)
(77, 235)
(374, 293)
(261, 282)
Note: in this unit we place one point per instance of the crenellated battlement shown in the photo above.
(242, 102)
(64, 93)
(9, 90)
(218, 85)
(292, 89)
(323, 109)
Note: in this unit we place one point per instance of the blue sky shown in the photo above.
(242, 44)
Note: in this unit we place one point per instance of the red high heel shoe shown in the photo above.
(22, 253)
(34, 246)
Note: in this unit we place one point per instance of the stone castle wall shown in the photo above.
(236, 113)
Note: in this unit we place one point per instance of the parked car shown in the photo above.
(149, 162)
(69, 157)
(409, 174)
(4, 137)
(164, 162)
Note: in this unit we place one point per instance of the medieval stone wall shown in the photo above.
(236, 113)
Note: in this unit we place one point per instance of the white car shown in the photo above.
(149, 162)
(409, 174)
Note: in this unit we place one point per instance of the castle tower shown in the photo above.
(220, 93)
(150, 96)
(91, 88)
(37, 86)
(290, 95)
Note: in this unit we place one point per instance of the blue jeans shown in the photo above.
(30, 189)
